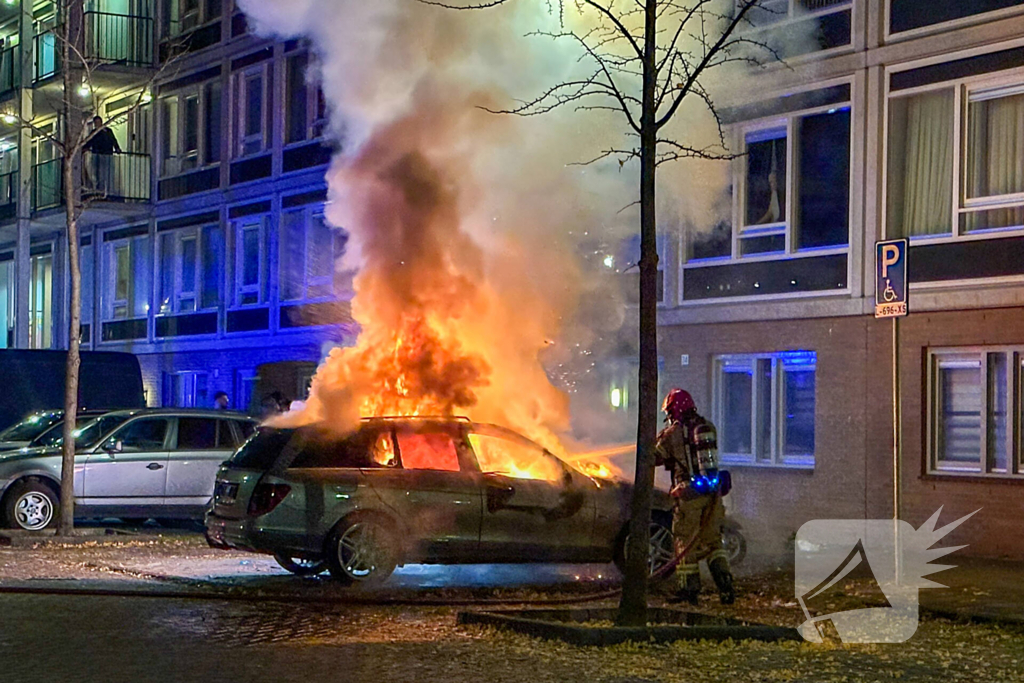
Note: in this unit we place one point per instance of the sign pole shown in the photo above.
(891, 301)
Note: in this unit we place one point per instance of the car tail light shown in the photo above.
(266, 497)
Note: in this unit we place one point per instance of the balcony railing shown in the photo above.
(122, 39)
(10, 69)
(119, 38)
(107, 177)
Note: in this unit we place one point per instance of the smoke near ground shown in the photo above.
(470, 231)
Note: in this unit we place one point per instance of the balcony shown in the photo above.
(108, 178)
(10, 69)
(111, 39)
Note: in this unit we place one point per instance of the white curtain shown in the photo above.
(995, 158)
(920, 186)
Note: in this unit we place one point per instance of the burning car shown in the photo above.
(398, 490)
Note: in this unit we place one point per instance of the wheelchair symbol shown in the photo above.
(888, 294)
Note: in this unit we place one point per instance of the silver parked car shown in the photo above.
(129, 464)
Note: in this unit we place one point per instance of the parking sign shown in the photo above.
(891, 288)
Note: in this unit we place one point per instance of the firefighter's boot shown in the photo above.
(689, 585)
(722, 575)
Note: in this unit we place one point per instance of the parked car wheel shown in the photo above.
(301, 566)
(735, 544)
(362, 550)
(662, 548)
(31, 505)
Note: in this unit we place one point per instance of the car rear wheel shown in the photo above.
(301, 566)
(735, 545)
(362, 551)
(31, 505)
(662, 549)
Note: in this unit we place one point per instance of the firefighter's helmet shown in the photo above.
(678, 403)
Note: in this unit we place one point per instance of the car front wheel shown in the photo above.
(301, 566)
(31, 505)
(362, 551)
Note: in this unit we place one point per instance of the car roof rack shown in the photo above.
(459, 418)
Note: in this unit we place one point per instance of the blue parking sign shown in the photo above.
(891, 286)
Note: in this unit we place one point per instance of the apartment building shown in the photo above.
(206, 252)
(894, 118)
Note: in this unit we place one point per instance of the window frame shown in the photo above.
(203, 15)
(178, 238)
(239, 290)
(308, 214)
(239, 94)
(776, 414)
(201, 156)
(737, 213)
(1010, 81)
(315, 124)
(793, 16)
(1014, 382)
(108, 295)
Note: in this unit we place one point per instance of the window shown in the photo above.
(128, 276)
(768, 12)
(191, 269)
(186, 390)
(427, 451)
(253, 110)
(6, 304)
(146, 434)
(88, 269)
(973, 393)
(792, 189)
(518, 458)
(306, 113)
(310, 249)
(198, 434)
(40, 302)
(764, 408)
(190, 124)
(181, 16)
(250, 261)
(939, 187)
(246, 385)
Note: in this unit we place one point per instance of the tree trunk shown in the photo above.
(73, 125)
(633, 604)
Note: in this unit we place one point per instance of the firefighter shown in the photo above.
(688, 449)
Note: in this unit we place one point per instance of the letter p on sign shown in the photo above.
(890, 257)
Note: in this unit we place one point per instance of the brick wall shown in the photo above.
(852, 477)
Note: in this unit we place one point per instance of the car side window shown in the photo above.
(325, 451)
(496, 454)
(146, 434)
(427, 451)
(197, 434)
(228, 434)
(246, 428)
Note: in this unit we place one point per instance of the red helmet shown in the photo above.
(678, 403)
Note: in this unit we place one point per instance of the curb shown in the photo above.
(552, 625)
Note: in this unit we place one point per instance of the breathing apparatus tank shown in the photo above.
(702, 454)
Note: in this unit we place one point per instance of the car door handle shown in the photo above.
(154, 466)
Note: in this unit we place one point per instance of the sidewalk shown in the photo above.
(981, 589)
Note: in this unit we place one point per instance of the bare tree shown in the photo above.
(77, 100)
(643, 59)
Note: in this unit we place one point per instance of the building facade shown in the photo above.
(204, 247)
(895, 118)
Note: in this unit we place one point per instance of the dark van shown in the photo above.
(34, 380)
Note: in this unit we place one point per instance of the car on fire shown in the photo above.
(401, 490)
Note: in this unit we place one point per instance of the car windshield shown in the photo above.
(86, 436)
(31, 427)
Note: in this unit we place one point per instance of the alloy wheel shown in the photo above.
(662, 549)
(33, 511)
(363, 551)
